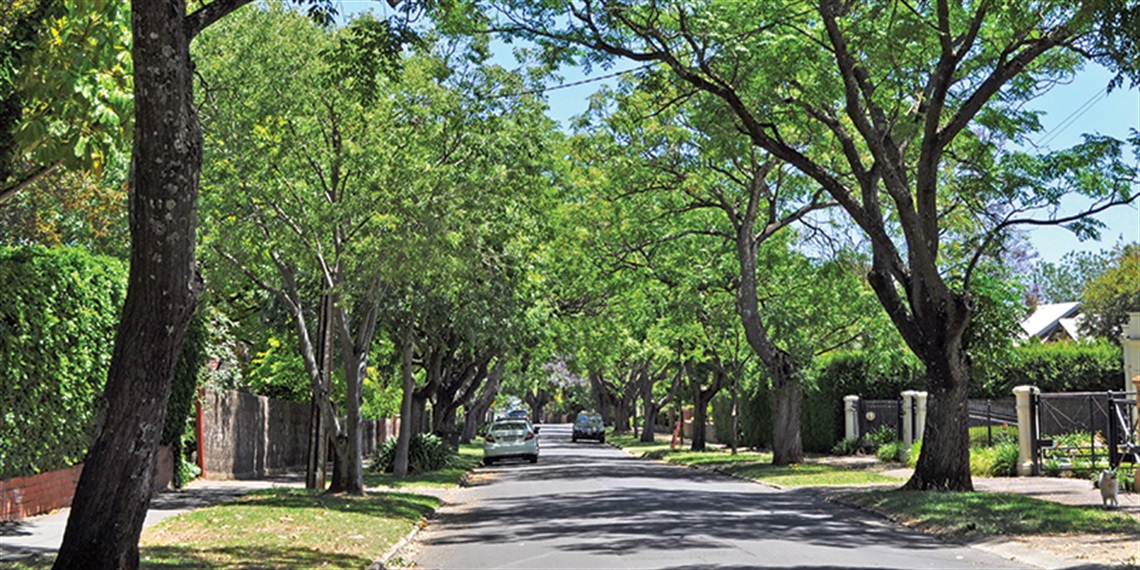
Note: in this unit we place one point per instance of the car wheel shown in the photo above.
(602, 439)
(533, 458)
(488, 461)
(574, 438)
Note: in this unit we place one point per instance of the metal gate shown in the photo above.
(1122, 432)
(877, 414)
(1085, 427)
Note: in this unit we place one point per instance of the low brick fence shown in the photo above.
(244, 437)
(22, 497)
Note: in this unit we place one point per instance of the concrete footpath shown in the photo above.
(43, 534)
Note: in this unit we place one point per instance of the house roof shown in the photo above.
(1046, 318)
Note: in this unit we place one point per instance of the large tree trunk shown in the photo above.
(480, 407)
(115, 488)
(621, 415)
(944, 462)
(404, 438)
(934, 329)
(787, 398)
(651, 410)
(701, 398)
(787, 394)
(536, 400)
(602, 396)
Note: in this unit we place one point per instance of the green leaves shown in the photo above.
(57, 324)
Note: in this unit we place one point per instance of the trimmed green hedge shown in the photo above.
(854, 372)
(1058, 367)
(58, 318)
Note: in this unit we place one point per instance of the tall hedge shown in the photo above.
(853, 372)
(1056, 367)
(58, 316)
(1059, 367)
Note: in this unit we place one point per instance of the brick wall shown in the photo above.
(23, 497)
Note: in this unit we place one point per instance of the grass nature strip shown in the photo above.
(285, 528)
(353, 531)
(470, 456)
(977, 514)
(958, 515)
(758, 466)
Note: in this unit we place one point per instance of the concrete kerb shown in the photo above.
(382, 562)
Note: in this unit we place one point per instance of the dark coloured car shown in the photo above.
(589, 426)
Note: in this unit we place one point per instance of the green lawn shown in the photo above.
(469, 457)
(755, 465)
(285, 528)
(988, 514)
(279, 528)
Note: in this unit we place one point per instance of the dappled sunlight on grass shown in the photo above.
(285, 528)
(985, 514)
(757, 465)
(469, 457)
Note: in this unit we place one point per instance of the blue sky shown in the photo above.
(1070, 110)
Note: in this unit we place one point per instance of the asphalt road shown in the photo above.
(585, 505)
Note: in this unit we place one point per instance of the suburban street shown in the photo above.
(586, 505)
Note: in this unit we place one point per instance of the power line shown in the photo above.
(573, 83)
(1074, 116)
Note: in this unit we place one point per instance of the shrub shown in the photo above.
(980, 436)
(912, 454)
(848, 446)
(426, 452)
(997, 461)
(892, 451)
(57, 327)
(882, 436)
(756, 417)
(180, 405)
(866, 373)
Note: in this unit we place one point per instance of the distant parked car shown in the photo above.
(518, 414)
(510, 438)
(589, 426)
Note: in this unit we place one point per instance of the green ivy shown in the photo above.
(182, 393)
(57, 326)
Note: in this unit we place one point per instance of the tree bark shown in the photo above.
(404, 438)
(701, 398)
(787, 394)
(479, 408)
(602, 396)
(944, 462)
(114, 490)
(787, 399)
(536, 400)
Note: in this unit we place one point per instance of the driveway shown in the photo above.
(585, 505)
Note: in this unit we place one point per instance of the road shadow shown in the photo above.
(647, 506)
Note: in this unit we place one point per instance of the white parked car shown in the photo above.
(510, 438)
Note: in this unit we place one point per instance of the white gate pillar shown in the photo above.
(851, 423)
(920, 421)
(1024, 428)
(907, 434)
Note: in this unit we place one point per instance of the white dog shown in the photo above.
(1109, 487)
